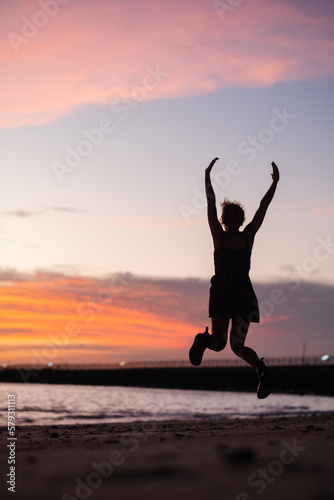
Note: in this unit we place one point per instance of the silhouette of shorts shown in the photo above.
(233, 299)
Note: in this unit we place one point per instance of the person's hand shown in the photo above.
(275, 174)
(209, 168)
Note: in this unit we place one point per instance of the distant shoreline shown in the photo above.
(313, 380)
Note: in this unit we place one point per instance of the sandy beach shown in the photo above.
(269, 458)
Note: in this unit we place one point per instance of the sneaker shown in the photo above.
(196, 352)
(265, 380)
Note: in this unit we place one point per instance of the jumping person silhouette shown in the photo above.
(232, 297)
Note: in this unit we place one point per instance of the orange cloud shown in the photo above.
(57, 319)
(97, 52)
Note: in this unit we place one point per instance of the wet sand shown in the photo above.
(263, 458)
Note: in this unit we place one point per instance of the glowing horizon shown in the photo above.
(63, 319)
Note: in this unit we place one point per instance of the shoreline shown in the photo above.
(195, 420)
(232, 459)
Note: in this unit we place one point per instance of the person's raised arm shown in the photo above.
(259, 216)
(215, 226)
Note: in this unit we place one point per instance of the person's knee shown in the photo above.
(217, 343)
(237, 347)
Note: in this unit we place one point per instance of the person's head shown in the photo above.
(233, 215)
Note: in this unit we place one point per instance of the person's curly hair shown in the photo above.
(233, 214)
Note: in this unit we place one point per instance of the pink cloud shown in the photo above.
(322, 212)
(97, 52)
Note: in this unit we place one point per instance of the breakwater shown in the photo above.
(286, 379)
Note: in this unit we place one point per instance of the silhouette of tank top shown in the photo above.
(232, 293)
(233, 264)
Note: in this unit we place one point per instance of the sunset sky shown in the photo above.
(110, 112)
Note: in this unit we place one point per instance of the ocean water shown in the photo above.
(74, 404)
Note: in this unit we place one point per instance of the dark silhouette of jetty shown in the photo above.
(303, 377)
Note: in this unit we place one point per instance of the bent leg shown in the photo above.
(237, 339)
(218, 339)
